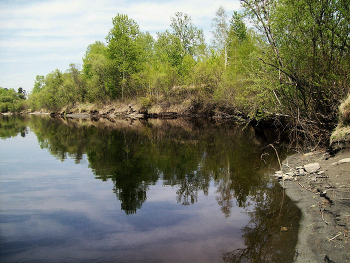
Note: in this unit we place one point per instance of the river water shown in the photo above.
(140, 191)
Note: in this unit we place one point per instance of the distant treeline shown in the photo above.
(11, 100)
(295, 61)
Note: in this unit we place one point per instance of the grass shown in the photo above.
(342, 132)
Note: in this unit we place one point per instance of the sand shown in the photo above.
(324, 199)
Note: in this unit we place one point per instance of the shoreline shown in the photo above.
(323, 197)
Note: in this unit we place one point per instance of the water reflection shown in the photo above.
(11, 126)
(268, 237)
(188, 156)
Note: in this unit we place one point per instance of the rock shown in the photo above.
(312, 167)
(135, 116)
(290, 174)
(284, 229)
(301, 171)
(287, 177)
(311, 153)
(346, 160)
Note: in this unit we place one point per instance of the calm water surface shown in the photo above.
(140, 191)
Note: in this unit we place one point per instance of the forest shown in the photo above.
(274, 56)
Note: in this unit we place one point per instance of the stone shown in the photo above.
(346, 160)
(301, 171)
(312, 167)
(278, 175)
(287, 177)
(290, 174)
(284, 229)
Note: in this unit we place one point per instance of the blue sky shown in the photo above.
(38, 36)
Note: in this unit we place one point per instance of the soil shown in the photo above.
(324, 199)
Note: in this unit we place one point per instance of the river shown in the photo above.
(141, 191)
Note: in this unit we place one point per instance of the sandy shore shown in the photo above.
(324, 199)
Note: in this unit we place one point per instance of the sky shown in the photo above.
(39, 36)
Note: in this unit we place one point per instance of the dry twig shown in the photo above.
(335, 236)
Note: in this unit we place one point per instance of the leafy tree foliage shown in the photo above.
(191, 38)
(220, 32)
(95, 72)
(12, 101)
(124, 51)
(12, 126)
(309, 52)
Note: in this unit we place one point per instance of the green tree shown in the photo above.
(10, 100)
(95, 70)
(140, 81)
(98, 48)
(309, 53)
(22, 93)
(53, 95)
(76, 76)
(191, 38)
(39, 83)
(124, 50)
(238, 28)
(168, 48)
(220, 32)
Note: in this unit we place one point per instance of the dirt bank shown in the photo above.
(323, 196)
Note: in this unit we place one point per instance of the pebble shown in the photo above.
(312, 167)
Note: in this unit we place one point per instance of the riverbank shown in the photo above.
(135, 110)
(320, 185)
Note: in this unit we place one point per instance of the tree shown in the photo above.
(140, 81)
(309, 52)
(97, 48)
(21, 93)
(191, 38)
(10, 100)
(39, 83)
(76, 76)
(124, 50)
(238, 28)
(220, 32)
(53, 95)
(95, 70)
(168, 48)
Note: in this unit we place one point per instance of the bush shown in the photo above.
(344, 112)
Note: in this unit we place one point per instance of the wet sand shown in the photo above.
(324, 199)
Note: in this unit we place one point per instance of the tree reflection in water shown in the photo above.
(187, 156)
(268, 236)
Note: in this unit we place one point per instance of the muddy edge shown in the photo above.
(323, 196)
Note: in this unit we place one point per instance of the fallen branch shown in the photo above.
(335, 236)
(323, 218)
